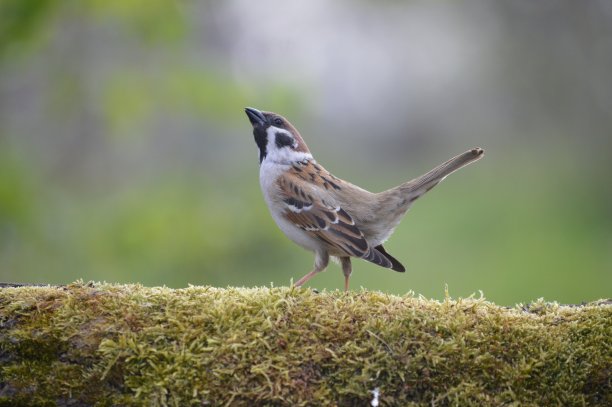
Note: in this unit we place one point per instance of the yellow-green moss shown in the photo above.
(109, 345)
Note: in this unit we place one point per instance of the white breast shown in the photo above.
(268, 174)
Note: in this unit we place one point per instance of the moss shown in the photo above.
(108, 344)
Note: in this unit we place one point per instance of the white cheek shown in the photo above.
(285, 154)
(271, 131)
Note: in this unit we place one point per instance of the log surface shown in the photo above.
(103, 344)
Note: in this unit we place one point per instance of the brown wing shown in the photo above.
(311, 208)
(397, 266)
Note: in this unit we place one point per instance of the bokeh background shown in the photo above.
(125, 154)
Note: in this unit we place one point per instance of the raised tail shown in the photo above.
(412, 190)
(391, 205)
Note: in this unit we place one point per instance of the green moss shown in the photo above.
(131, 345)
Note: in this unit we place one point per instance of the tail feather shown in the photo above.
(391, 205)
(415, 188)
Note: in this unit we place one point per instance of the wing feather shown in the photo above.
(310, 207)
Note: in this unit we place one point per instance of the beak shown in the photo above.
(256, 117)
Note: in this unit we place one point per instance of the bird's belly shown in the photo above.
(269, 173)
(297, 235)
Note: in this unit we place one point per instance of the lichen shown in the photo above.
(103, 344)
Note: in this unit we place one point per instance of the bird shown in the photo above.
(325, 214)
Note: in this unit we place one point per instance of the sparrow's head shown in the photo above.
(276, 138)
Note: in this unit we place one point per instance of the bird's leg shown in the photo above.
(321, 262)
(346, 270)
(307, 277)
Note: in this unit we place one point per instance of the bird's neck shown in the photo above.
(286, 157)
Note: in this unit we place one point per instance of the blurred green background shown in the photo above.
(125, 154)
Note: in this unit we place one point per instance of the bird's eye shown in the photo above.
(277, 121)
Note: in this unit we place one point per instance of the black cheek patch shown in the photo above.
(283, 140)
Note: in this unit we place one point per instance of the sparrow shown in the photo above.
(325, 214)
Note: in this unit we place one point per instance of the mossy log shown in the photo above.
(103, 344)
